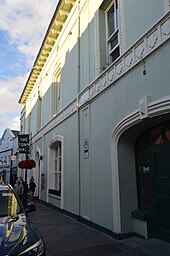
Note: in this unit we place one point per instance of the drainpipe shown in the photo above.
(78, 113)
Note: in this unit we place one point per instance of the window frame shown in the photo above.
(52, 192)
(58, 168)
(114, 35)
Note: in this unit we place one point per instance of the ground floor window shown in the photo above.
(57, 171)
(55, 168)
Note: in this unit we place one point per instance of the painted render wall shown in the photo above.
(139, 16)
(68, 130)
(104, 114)
(68, 56)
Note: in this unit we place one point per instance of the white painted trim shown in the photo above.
(156, 108)
(122, 27)
(166, 4)
(38, 150)
(97, 50)
(51, 143)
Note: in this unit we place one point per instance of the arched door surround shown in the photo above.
(156, 112)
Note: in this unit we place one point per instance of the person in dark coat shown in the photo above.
(32, 187)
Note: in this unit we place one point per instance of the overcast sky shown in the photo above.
(23, 25)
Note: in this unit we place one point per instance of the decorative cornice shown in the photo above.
(62, 11)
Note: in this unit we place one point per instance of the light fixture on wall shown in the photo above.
(144, 68)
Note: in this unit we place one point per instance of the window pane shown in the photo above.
(116, 15)
(110, 16)
(115, 54)
(113, 41)
(59, 165)
(57, 172)
(58, 181)
(8, 203)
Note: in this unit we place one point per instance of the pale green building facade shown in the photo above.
(96, 103)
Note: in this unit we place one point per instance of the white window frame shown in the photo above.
(114, 35)
(51, 169)
(58, 167)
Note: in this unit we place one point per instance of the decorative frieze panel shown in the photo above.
(140, 50)
(129, 59)
(110, 75)
(153, 39)
(165, 29)
(119, 67)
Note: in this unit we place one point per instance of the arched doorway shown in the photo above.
(152, 151)
(123, 140)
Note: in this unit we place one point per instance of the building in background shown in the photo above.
(97, 106)
(8, 155)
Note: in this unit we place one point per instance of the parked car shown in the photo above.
(18, 235)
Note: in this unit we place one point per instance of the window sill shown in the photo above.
(54, 196)
(54, 192)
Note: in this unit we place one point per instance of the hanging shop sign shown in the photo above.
(23, 143)
(13, 158)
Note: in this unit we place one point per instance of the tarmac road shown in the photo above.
(65, 236)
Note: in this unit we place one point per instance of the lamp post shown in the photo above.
(25, 184)
(23, 146)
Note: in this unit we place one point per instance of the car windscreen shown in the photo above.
(9, 205)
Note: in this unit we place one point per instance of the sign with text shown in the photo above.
(23, 143)
(86, 148)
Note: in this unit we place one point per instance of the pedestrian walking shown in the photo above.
(32, 187)
(19, 188)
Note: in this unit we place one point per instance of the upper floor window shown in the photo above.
(112, 31)
(56, 93)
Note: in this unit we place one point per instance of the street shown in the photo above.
(65, 236)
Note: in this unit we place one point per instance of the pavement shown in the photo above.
(66, 236)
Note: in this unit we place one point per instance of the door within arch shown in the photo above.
(153, 178)
(160, 171)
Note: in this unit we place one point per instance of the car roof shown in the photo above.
(5, 186)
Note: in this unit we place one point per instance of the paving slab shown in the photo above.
(65, 236)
